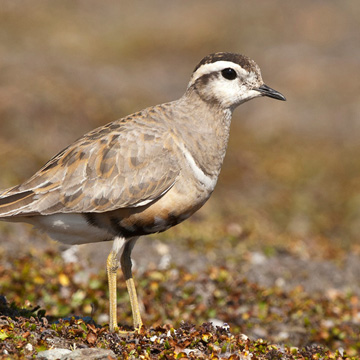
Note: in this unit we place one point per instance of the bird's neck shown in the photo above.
(209, 124)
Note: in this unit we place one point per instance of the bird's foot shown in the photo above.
(137, 330)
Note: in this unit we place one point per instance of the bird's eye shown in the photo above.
(229, 73)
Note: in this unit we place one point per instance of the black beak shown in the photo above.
(268, 91)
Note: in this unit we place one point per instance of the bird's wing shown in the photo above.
(126, 163)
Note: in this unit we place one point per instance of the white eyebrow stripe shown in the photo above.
(216, 66)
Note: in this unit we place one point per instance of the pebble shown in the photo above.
(29, 347)
(53, 354)
(80, 354)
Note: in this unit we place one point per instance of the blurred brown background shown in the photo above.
(291, 178)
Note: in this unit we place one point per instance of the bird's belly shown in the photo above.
(170, 210)
(70, 229)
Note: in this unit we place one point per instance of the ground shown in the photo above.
(274, 253)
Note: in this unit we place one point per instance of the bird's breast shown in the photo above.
(175, 206)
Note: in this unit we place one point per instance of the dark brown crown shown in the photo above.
(245, 62)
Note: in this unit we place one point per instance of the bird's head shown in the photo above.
(228, 80)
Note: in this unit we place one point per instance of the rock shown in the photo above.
(90, 354)
(53, 354)
(80, 354)
(29, 347)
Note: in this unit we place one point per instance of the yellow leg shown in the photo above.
(134, 304)
(111, 267)
(126, 269)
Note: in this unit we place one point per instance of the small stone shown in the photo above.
(257, 258)
(244, 337)
(53, 354)
(80, 354)
(217, 322)
(29, 347)
(90, 354)
(235, 229)
(71, 255)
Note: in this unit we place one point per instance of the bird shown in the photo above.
(141, 174)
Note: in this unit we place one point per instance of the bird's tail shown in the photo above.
(13, 202)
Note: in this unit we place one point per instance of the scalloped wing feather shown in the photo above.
(127, 163)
